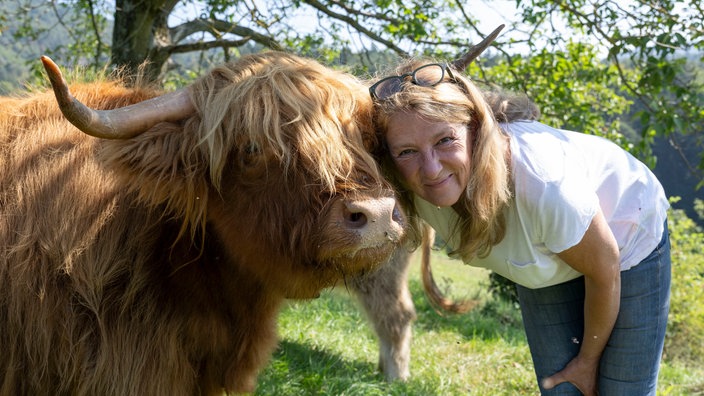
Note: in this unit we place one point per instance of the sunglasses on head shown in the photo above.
(428, 75)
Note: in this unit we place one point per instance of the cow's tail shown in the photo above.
(440, 303)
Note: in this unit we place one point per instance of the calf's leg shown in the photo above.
(387, 302)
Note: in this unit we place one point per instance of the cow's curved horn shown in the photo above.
(122, 123)
(464, 61)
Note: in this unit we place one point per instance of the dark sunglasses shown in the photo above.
(428, 75)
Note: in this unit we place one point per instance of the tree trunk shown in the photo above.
(140, 35)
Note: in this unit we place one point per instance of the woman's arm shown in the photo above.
(597, 257)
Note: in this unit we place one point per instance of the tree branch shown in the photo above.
(96, 29)
(218, 28)
(204, 45)
(377, 16)
(356, 25)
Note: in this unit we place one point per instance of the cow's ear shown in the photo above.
(162, 167)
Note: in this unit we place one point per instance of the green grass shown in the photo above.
(328, 348)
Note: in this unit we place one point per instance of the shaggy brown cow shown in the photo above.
(156, 265)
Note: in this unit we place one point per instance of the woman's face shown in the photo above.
(432, 157)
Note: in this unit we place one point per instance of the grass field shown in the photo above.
(327, 347)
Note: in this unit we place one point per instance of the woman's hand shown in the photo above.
(597, 257)
(582, 373)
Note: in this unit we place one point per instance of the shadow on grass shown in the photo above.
(490, 320)
(301, 369)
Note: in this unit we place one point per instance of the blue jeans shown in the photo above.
(554, 322)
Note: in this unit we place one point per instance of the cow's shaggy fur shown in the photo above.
(157, 265)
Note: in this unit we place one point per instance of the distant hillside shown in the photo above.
(674, 173)
(19, 56)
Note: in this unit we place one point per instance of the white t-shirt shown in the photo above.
(560, 180)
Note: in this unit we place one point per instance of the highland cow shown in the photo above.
(153, 259)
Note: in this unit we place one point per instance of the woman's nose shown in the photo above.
(431, 166)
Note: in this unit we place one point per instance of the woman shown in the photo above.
(578, 223)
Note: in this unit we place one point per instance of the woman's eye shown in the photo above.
(445, 140)
(405, 153)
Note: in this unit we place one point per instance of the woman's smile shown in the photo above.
(438, 183)
(432, 156)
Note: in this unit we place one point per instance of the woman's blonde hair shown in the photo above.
(458, 100)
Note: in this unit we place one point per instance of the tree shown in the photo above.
(651, 46)
(588, 64)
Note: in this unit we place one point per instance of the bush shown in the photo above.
(685, 333)
(502, 288)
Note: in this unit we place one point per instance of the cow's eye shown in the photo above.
(252, 149)
(250, 154)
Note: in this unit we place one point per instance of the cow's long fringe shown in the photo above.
(266, 105)
(273, 100)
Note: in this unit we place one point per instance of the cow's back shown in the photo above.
(78, 254)
(55, 194)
